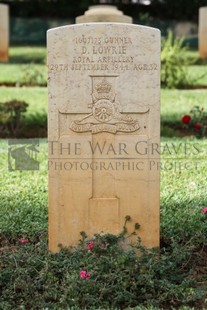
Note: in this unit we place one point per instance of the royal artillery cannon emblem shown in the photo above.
(105, 115)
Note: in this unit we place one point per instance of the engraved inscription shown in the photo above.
(103, 54)
(105, 115)
(104, 63)
(102, 40)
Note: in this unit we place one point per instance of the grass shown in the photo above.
(176, 103)
(27, 54)
(23, 196)
(198, 75)
(34, 121)
(25, 63)
(183, 188)
(35, 96)
(193, 57)
(16, 74)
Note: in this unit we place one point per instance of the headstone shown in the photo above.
(104, 119)
(185, 29)
(4, 32)
(103, 13)
(203, 32)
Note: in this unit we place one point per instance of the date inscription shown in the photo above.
(102, 66)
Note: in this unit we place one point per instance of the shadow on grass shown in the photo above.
(27, 54)
(26, 59)
(31, 126)
(176, 130)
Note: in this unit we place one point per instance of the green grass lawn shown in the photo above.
(21, 73)
(26, 65)
(27, 54)
(34, 120)
(176, 103)
(198, 75)
(23, 206)
(36, 97)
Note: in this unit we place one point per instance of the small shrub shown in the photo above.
(174, 72)
(35, 125)
(13, 122)
(11, 115)
(196, 121)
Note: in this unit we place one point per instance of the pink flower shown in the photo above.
(90, 245)
(88, 275)
(85, 275)
(186, 119)
(204, 210)
(23, 240)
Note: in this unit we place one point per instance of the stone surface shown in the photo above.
(103, 124)
(103, 13)
(203, 32)
(4, 32)
(185, 29)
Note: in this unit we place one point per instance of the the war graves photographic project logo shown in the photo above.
(23, 154)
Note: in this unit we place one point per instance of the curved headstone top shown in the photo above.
(103, 13)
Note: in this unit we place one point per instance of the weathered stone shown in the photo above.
(4, 32)
(203, 32)
(103, 13)
(185, 29)
(104, 119)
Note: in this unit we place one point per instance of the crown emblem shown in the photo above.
(105, 115)
(103, 87)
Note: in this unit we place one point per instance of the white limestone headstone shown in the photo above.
(103, 127)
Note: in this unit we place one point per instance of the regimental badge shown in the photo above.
(105, 115)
